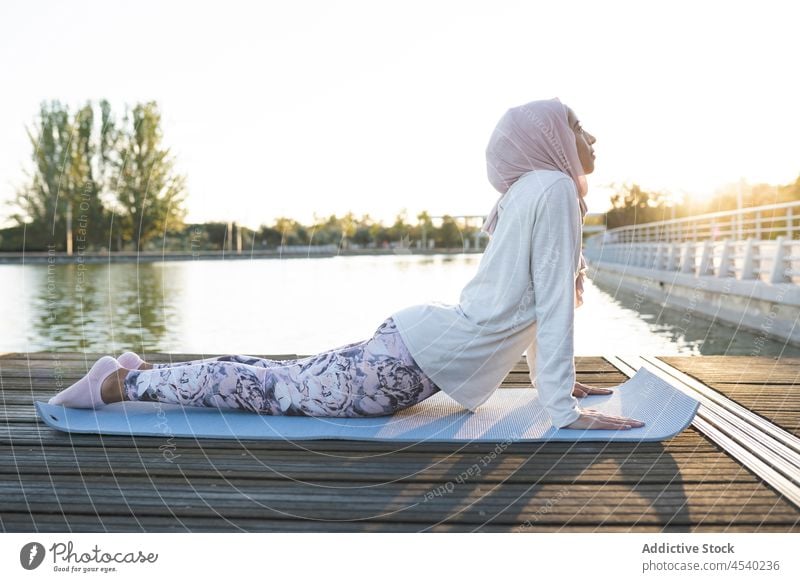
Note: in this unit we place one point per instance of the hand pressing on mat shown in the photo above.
(580, 390)
(593, 419)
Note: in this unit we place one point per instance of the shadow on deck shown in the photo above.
(54, 481)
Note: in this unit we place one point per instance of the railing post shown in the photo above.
(789, 225)
(758, 224)
(725, 260)
(672, 256)
(751, 260)
(706, 259)
(687, 261)
(779, 266)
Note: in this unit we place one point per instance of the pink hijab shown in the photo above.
(535, 136)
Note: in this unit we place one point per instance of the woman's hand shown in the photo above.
(593, 419)
(581, 390)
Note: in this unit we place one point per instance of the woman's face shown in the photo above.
(584, 141)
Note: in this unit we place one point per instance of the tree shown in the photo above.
(349, 224)
(149, 195)
(449, 234)
(87, 217)
(399, 231)
(83, 170)
(425, 227)
(41, 200)
(632, 205)
(61, 205)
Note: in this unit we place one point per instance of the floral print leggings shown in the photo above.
(374, 377)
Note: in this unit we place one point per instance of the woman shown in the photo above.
(523, 296)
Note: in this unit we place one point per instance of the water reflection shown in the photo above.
(629, 325)
(304, 306)
(87, 307)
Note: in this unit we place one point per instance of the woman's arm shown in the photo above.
(554, 264)
(554, 261)
(580, 390)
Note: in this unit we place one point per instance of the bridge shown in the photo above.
(736, 266)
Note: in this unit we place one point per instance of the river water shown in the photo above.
(300, 306)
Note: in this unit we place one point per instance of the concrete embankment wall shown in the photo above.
(766, 309)
(150, 256)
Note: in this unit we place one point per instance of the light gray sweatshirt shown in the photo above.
(521, 299)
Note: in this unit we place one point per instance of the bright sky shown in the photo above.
(296, 107)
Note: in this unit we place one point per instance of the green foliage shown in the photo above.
(97, 183)
(149, 196)
(449, 235)
(43, 200)
(632, 205)
(351, 232)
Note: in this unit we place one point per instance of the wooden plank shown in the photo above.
(766, 386)
(76, 522)
(468, 503)
(437, 468)
(53, 481)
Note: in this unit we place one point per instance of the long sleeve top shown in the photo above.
(522, 298)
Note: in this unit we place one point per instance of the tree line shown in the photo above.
(98, 181)
(104, 182)
(631, 204)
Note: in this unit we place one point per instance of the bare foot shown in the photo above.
(112, 388)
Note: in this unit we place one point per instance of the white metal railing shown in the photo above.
(757, 222)
(720, 244)
(771, 261)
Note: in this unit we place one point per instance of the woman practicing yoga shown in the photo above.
(522, 298)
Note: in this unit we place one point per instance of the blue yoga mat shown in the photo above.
(508, 415)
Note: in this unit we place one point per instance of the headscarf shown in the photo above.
(535, 136)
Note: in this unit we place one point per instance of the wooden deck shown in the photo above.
(54, 481)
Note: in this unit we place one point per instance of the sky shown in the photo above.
(299, 108)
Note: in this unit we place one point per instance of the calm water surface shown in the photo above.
(302, 306)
